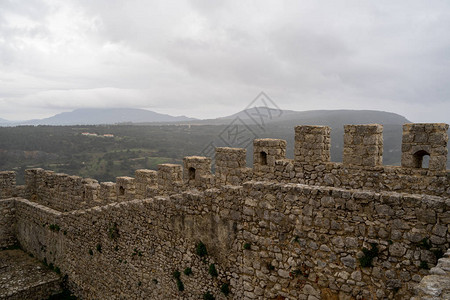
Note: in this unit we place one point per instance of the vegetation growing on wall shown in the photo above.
(368, 255)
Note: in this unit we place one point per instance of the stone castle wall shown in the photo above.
(266, 240)
(292, 229)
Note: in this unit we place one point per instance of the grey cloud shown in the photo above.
(200, 57)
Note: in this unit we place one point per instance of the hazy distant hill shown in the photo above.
(333, 118)
(95, 116)
(253, 116)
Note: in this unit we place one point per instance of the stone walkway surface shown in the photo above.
(24, 277)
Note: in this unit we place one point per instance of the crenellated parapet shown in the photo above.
(361, 169)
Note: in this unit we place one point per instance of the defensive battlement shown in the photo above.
(301, 228)
(361, 168)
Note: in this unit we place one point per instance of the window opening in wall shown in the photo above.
(421, 159)
(191, 172)
(263, 158)
(121, 191)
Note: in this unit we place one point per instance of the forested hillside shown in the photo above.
(65, 149)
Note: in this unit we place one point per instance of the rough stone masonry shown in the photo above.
(302, 228)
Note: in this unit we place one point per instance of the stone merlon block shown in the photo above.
(108, 192)
(231, 165)
(169, 174)
(7, 184)
(230, 157)
(266, 152)
(125, 188)
(145, 178)
(363, 145)
(312, 144)
(425, 139)
(195, 167)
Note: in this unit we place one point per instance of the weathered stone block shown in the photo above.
(422, 140)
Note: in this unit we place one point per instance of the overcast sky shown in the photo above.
(208, 58)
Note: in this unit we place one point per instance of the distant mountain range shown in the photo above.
(333, 118)
(252, 116)
(97, 116)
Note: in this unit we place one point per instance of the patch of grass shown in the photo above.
(225, 289)
(425, 244)
(54, 227)
(180, 285)
(247, 246)
(136, 252)
(64, 295)
(187, 271)
(369, 255)
(200, 249)
(113, 231)
(14, 246)
(99, 248)
(52, 267)
(91, 252)
(212, 270)
(176, 274)
(208, 296)
(296, 272)
(438, 253)
(424, 265)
